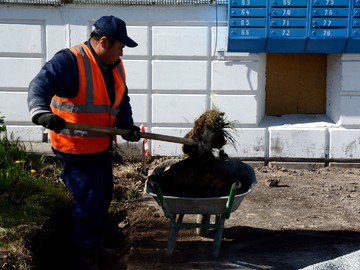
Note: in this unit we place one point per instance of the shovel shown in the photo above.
(115, 131)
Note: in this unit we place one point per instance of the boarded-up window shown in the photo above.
(295, 84)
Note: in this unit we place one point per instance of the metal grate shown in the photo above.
(115, 2)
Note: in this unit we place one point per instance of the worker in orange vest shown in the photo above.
(86, 84)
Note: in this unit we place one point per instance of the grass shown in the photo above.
(216, 120)
(27, 198)
(25, 195)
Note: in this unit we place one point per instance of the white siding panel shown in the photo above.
(350, 110)
(180, 41)
(177, 108)
(297, 143)
(344, 144)
(179, 75)
(17, 72)
(237, 107)
(80, 32)
(136, 74)
(14, 107)
(219, 37)
(234, 75)
(24, 38)
(249, 142)
(167, 148)
(26, 134)
(350, 81)
(56, 39)
(140, 34)
(139, 107)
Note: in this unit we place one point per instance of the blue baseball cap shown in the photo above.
(113, 27)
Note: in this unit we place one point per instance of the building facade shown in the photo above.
(287, 106)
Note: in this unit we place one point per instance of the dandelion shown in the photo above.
(19, 161)
(32, 171)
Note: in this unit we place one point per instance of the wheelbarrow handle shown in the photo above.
(234, 187)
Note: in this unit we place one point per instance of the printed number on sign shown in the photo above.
(327, 23)
(286, 2)
(286, 12)
(245, 22)
(245, 32)
(286, 33)
(327, 33)
(328, 12)
(245, 12)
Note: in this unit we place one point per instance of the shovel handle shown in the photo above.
(116, 131)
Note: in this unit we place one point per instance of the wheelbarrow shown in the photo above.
(175, 208)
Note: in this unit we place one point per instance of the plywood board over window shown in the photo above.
(295, 84)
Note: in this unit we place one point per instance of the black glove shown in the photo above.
(52, 121)
(133, 134)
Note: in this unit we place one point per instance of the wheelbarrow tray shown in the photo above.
(184, 205)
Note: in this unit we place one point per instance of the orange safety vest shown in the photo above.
(91, 106)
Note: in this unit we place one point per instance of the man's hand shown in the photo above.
(133, 134)
(52, 121)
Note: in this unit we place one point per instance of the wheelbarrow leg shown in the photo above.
(173, 233)
(219, 221)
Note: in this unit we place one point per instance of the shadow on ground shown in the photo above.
(248, 248)
(52, 248)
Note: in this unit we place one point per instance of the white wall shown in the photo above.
(179, 70)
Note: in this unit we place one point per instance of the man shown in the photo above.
(86, 84)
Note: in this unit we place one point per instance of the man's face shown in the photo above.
(112, 51)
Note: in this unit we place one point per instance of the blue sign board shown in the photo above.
(303, 26)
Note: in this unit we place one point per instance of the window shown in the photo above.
(295, 84)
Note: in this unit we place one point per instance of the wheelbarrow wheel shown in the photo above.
(202, 219)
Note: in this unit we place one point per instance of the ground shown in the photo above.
(292, 218)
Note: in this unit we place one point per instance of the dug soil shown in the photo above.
(292, 218)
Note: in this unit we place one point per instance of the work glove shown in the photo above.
(133, 134)
(52, 121)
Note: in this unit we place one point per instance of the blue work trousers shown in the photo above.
(90, 181)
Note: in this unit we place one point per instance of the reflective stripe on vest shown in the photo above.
(91, 106)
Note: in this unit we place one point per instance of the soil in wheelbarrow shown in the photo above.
(202, 174)
(195, 178)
